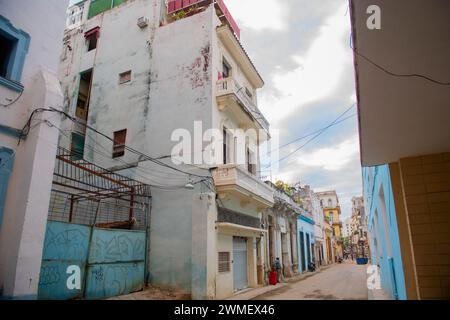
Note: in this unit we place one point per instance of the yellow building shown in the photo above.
(332, 214)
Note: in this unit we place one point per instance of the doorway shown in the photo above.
(240, 279)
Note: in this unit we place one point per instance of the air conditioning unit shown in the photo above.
(142, 22)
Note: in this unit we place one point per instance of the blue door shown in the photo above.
(240, 263)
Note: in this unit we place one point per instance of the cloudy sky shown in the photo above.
(301, 48)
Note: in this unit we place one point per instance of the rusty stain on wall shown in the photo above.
(197, 72)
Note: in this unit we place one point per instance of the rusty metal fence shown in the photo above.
(84, 193)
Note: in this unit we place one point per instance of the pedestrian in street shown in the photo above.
(277, 267)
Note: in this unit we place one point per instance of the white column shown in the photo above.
(204, 248)
(26, 210)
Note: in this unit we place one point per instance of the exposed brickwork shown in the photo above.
(426, 183)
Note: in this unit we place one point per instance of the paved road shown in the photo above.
(345, 281)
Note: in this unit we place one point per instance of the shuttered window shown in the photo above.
(224, 262)
(119, 143)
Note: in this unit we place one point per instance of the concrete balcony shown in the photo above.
(234, 181)
(231, 96)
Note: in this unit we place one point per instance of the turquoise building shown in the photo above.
(306, 241)
(383, 230)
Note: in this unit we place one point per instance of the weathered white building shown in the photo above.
(152, 74)
(311, 203)
(347, 228)
(281, 242)
(30, 41)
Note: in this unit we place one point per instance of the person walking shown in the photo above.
(277, 267)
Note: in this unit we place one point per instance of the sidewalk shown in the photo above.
(252, 293)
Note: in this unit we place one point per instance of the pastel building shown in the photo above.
(306, 241)
(403, 106)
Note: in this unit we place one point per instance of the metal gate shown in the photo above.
(240, 278)
(96, 240)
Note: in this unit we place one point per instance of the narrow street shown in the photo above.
(345, 281)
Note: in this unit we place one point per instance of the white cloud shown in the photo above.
(332, 158)
(259, 15)
(318, 74)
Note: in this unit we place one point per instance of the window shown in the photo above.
(125, 77)
(250, 161)
(84, 92)
(92, 38)
(77, 146)
(330, 203)
(224, 262)
(248, 93)
(92, 42)
(226, 146)
(14, 45)
(226, 69)
(6, 49)
(119, 143)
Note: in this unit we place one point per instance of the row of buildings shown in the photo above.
(92, 118)
(304, 228)
(355, 233)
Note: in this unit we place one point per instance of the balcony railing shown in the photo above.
(175, 6)
(234, 177)
(230, 86)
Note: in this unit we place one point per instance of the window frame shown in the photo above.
(227, 65)
(117, 151)
(12, 79)
(221, 262)
(123, 74)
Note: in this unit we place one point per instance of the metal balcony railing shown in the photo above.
(231, 86)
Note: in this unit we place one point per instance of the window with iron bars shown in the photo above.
(224, 262)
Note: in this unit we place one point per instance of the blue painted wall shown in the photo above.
(112, 262)
(384, 238)
(306, 226)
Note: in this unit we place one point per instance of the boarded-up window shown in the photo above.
(125, 77)
(119, 143)
(224, 262)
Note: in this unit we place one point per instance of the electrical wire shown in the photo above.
(399, 75)
(313, 138)
(14, 101)
(309, 135)
(26, 129)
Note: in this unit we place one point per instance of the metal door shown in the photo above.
(302, 252)
(240, 263)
